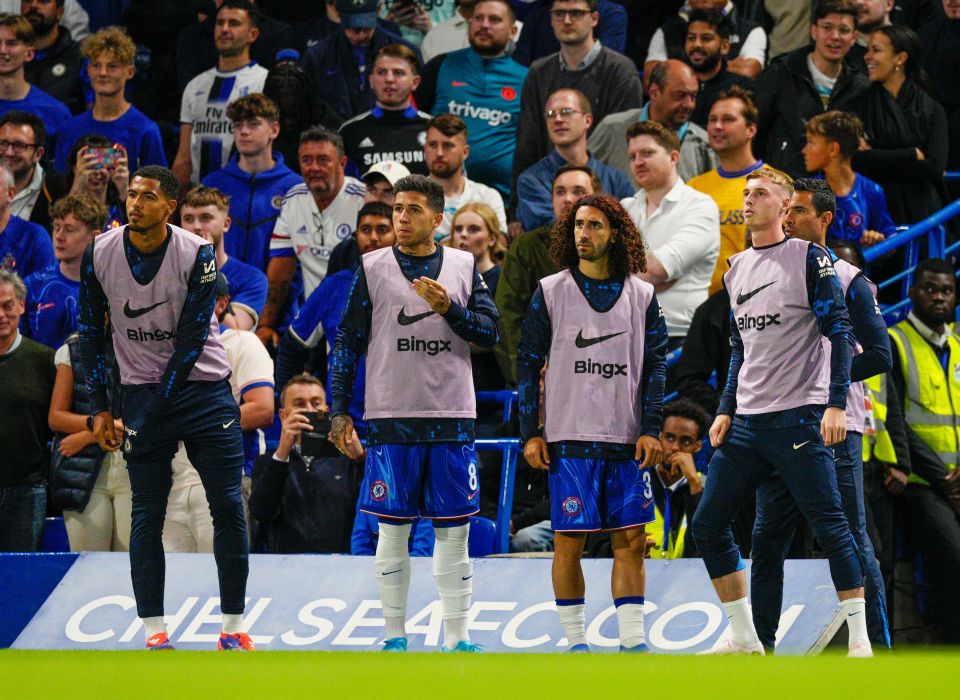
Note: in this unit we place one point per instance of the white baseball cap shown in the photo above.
(390, 169)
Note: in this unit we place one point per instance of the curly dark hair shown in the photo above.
(626, 252)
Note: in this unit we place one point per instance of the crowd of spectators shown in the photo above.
(288, 124)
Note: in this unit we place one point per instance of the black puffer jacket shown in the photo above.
(72, 478)
(786, 98)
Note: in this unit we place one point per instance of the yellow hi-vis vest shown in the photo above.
(932, 403)
(659, 530)
(876, 438)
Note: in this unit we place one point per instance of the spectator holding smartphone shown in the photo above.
(98, 168)
(303, 496)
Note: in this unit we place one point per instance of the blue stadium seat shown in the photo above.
(55, 536)
(483, 537)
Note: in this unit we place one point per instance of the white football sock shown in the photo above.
(741, 622)
(454, 575)
(573, 620)
(854, 611)
(630, 621)
(392, 569)
(231, 624)
(152, 625)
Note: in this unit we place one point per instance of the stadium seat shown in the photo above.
(55, 535)
(483, 536)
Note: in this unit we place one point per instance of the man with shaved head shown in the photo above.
(673, 97)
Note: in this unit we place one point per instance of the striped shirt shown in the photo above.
(204, 107)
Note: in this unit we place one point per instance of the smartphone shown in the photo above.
(106, 157)
(314, 442)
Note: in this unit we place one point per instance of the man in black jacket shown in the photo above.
(706, 351)
(304, 503)
(339, 66)
(807, 82)
(56, 67)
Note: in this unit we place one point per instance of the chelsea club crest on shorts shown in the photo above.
(572, 506)
(378, 491)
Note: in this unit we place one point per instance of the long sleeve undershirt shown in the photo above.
(535, 339)
(477, 323)
(193, 326)
(825, 296)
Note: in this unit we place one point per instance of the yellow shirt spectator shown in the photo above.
(726, 189)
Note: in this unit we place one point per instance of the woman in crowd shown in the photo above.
(90, 485)
(474, 228)
(905, 149)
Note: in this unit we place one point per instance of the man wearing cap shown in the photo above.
(338, 66)
(394, 130)
(379, 180)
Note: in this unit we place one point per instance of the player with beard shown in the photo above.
(600, 327)
(158, 283)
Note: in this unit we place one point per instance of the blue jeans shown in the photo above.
(777, 519)
(22, 509)
(748, 458)
(534, 538)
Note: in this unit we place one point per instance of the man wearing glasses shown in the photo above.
(568, 117)
(22, 147)
(608, 79)
(807, 82)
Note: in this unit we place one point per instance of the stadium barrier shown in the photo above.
(930, 231)
(329, 602)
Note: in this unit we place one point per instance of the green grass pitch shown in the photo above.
(173, 675)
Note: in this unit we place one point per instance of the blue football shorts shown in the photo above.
(587, 495)
(439, 480)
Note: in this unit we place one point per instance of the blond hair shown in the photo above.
(498, 244)
(110, 40)
(773, 175)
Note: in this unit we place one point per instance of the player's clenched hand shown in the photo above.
(433, 293)
(649, 451)
(342, 434)
(833, 427)
(718, 431)
(535, 452)
(105, 431)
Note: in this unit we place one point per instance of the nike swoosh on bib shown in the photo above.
(134, 313)
(743, 298)
(582, 342)
(405, 320)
